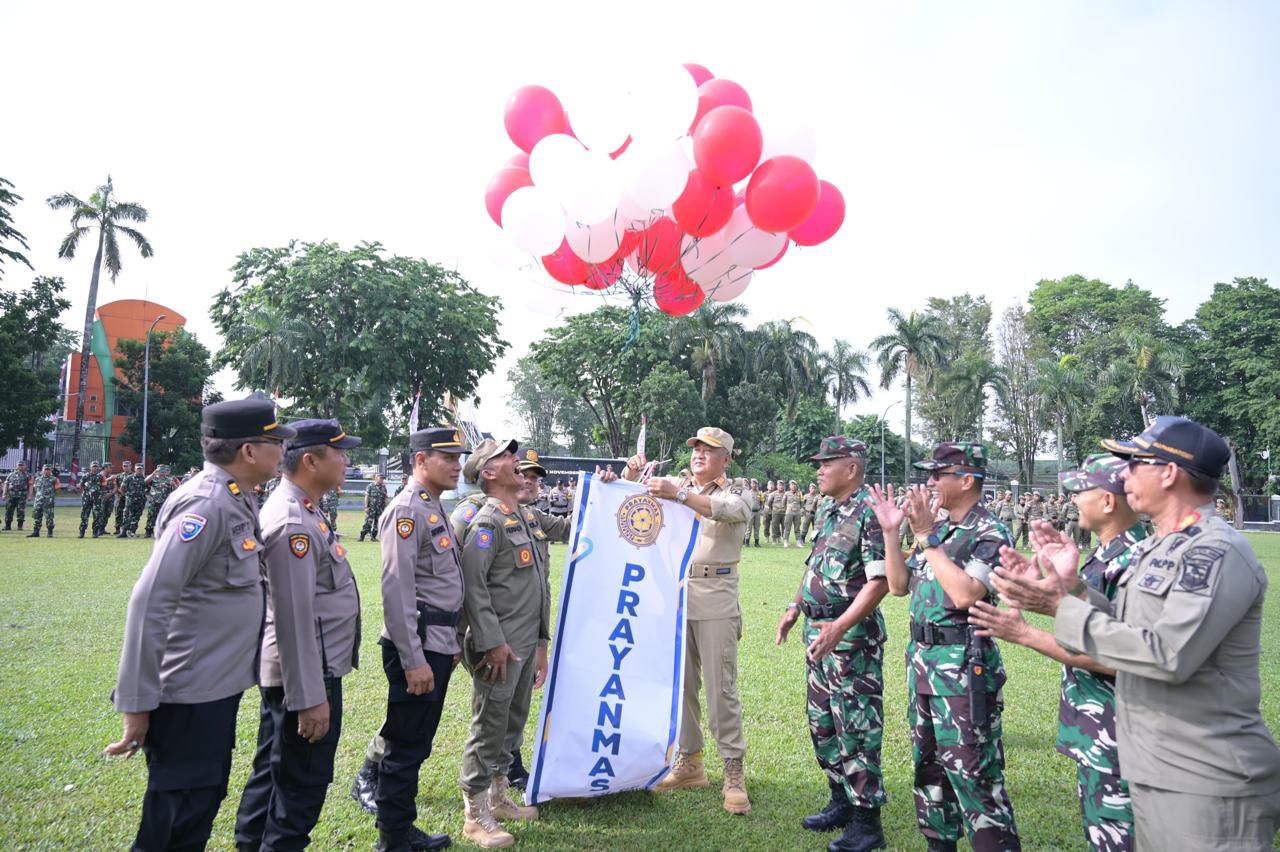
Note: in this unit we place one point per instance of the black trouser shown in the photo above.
(188, 749)
(286, 789)
(410, 727)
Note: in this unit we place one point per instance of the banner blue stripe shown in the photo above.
(677, 678)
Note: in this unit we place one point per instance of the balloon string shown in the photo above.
(633, 333)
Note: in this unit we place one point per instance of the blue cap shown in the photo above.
(1176, 439)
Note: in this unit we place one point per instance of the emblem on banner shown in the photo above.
(640, 520)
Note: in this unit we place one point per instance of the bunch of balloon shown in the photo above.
(664, 188)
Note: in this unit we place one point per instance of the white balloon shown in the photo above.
(796, 140)
(706, 259)
(729, 286)
(595, 243)
(553, 162)
(663, 103)
(597, 107)
(533, 220)
(591, 188)
(748, 245)
(653, 173)
(639, 217)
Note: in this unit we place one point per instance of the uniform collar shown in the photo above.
(1121, 543)
(970, 520)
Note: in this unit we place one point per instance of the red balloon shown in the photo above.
(502, 184)
(699, 73)
(727, 145)
(603, 275)
(565, 266)
(630, 239)
(825, 220)
(703, 208)
(518, 161)
(532, 113)
(658, 249)
(785, 246)
(783, 192)
(676, 295)
(719, 92)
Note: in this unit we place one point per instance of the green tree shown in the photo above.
(801, 433)
(960, 404)
(180, 386)
(550, 416)
(1063, 391)
(913, 349)
(8, 233)
(952, 401)
(777, 346)
(844, 372)
(710, 335)
(103, 212)
(1148, 372)
(377, 330)
(672, 406)
(1021, 426)
(750, 414)
(32, 346)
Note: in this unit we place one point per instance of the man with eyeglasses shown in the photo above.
(954, 676)
(1183, 635)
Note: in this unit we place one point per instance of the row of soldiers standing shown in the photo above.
(1059, 511)
(126, 495)
(786, 513)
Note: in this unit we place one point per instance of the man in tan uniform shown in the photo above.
(755, 497)
(311, 641)
(811, 501)
(1183, 635)
(508, 609)
(714, 618)
(191, 634)
(792, 509)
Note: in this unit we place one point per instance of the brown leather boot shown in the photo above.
(735, 787)
(688, 772)
(479, 826)
(502, 807)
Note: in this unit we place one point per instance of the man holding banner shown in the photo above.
(714, 618)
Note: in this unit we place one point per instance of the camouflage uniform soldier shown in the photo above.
(810, 509)
(161, 485)
(91, 485)
(126, 470)
(329, 506)
(16, 486)
(45, 487)
(375, 500)
(845, 634)
(135, 501)
(1087, 710)
(792, 508)
(954, 677)
(106, 501)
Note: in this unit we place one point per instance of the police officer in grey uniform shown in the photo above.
(192, 629)
(311, 642)
(422, 590)
(1183, 634)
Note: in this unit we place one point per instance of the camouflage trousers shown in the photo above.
(15, 503)
(370, 527)
(102, 512)
(846, 720)
(133, 508)
(959, 779)
(89, 508)
(153, 510)
(1106, 809)
(42, 510)
(333, 518)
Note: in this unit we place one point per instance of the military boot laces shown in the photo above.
(863, 833)
(735, 787)
(687, 773)
(936, 845)
(479, 826)
(501, 805)
(836, 814)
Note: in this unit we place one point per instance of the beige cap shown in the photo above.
(712, 436)
(485, 450)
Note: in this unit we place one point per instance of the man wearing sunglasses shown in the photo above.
(1183, 635)
(954, 677)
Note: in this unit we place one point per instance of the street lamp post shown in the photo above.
(146, 388)
(882, 468)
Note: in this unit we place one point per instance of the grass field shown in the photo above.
(63, 600)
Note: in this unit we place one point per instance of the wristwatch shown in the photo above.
(682, 495)
(932, 540)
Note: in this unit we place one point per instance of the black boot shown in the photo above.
(836, 814)
(517, 775)
(420, 840)
(48, 533)
(936, 845)
(82, 533)
(362, 535)
(35, 533)
(365, 788)
(393, 841)
(863, 833)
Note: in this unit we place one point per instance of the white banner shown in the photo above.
(611, 712)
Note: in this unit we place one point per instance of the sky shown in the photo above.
(980, 147)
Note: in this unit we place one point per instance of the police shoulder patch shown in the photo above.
(1199, 564)
(191, 525)
(404, 527)
(299, 545)
(484, 538)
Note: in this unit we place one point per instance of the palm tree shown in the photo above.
(269, 339)
(844, 371)
(713, 332)
(792, 354)
(1063, 391)
(1149, 372)
(914, 348)
(106, 213)
(965, 385)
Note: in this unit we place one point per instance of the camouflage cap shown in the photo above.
(527, 459)
(487, 449)
(1101, 470)
(968, 455)
(839, 447)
